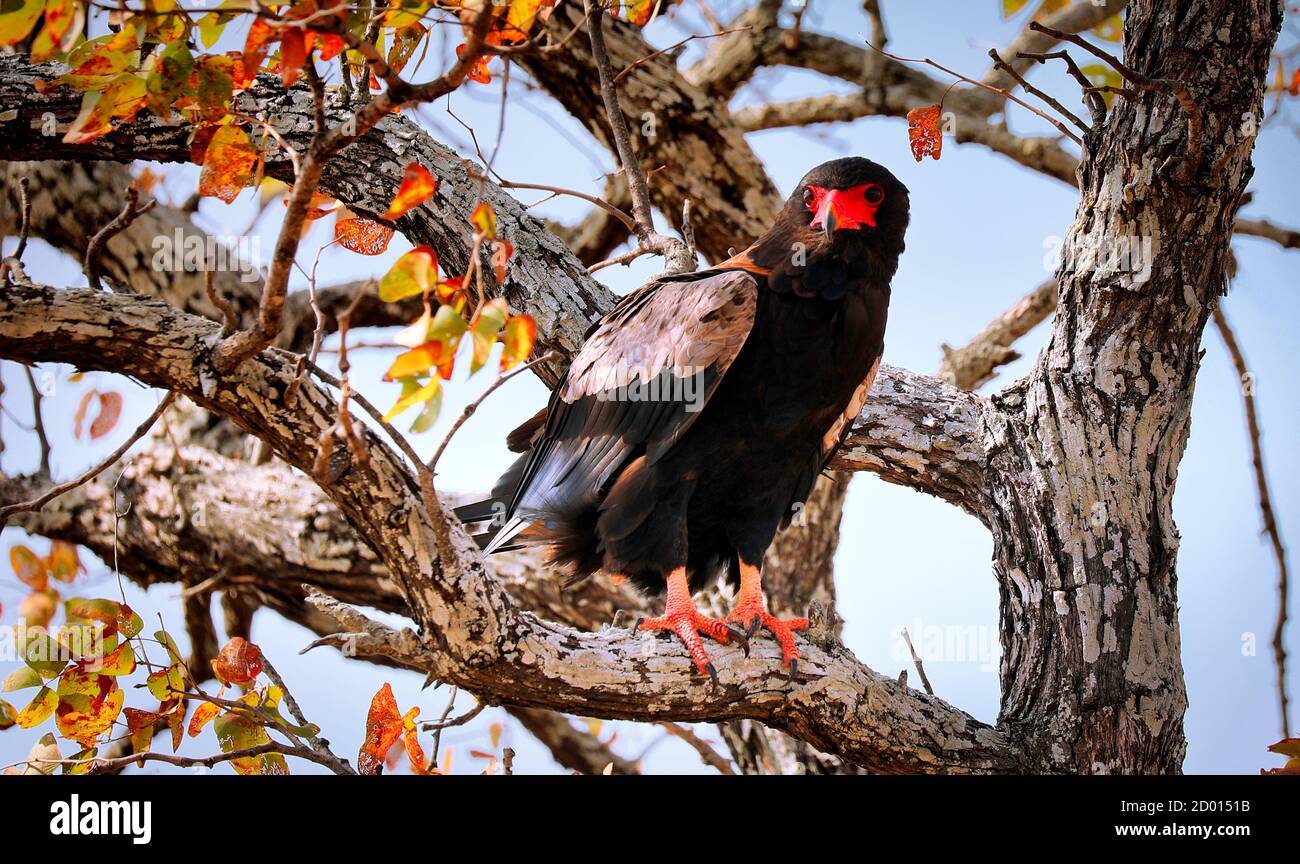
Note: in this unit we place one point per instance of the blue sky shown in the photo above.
(980, 230)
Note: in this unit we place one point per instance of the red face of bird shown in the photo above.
(843, 209)
(852, 197)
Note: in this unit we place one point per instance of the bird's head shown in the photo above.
(851, 201)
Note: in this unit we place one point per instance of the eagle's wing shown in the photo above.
(637, 385)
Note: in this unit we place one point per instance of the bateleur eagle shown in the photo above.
(694, 420)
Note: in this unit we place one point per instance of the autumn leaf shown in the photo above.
(639, 12)
(64, 20)
(8, 715)
(64, 563)
(405, 42)
(417, 361)
(478, 70)
(414, 273)
(384, 725)
(41, 707)
(293, 54)
(484, 219)
(17, 22)
(170, 78)
(122, 99)
(239, 662)
(38, 607)
(502, 250)
(1111, 30)
(202, 716)
(116, 617)
(228, 164)
(140, 726)
(417, 185)
(31, 569)
(89, 703)
(923, 131)
(1102, 75)
(261, 35)
(413, 393)
(361, 235)
(330, 46)
(21, 679)
(517, 341)
(487, 323)
(236, 730)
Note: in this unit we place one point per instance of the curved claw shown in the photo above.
(794, 668)
(713, 676)
(636, 627)
(742, 638)
(753, 626)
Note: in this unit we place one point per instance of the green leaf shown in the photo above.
(414, 273)
(17, 19)
(22, 678)
(170, 77)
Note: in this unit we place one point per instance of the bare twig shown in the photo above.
(675, 253)
(1006, 94)
(229, 315)
(916, 660)
(710, 756)
(1091, 98)
(39, 422)
(96, 246)
(1265, 510)
(998, 63)
(317, 744)
(45, 498)
(1178, 89)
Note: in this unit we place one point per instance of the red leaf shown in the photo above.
(923, 131)
(384, 725)
(239, 662)
(361, 235)
(417, 185)
(110, 408)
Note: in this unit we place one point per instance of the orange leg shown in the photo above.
(681, 617)
(750, 612)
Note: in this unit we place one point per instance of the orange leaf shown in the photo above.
(227, 164)
(88, 705)
(29, 567)
(260, 36)
(478, 70)
(485, 220)
(414, 273)
(80, 416)
(64, 563)
(202, 716)
(361, 235)
(384, 725)
(923, 131)
(330, 45)
(238, 662)
(502, 250)
(110, 408)
(293, 54)
(417, 361)
(517, 342)
(417, 185)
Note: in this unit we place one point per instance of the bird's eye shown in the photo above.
(808, 197)
(874, 195)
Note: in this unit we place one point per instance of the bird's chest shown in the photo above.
(806, 357)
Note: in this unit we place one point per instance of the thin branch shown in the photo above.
(1265, 510)
(998, 63)
(1007, 94)
(1091, 98)
(40, 501)
(916, 660)
(1178, 89)
(39, 422)
(675, 253)
(710, 756)
(95, 249)
(318, 744)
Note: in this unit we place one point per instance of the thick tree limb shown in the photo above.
(477, 637)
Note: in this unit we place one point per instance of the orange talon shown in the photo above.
(750, 613)
(681, 617)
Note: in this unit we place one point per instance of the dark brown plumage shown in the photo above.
(699, 412)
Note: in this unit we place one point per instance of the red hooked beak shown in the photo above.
(840, 209)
